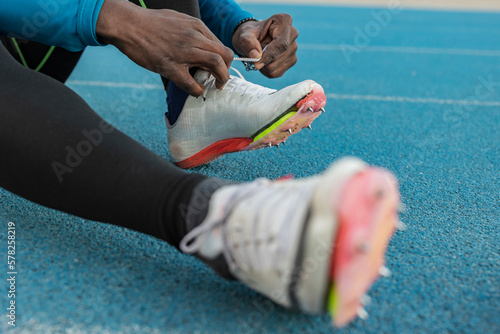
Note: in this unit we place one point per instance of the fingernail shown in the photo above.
(254, 54)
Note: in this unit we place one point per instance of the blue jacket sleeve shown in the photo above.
(66, 23)
(222, 16)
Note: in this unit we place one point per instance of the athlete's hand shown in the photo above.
(164, 41)
(278, 34)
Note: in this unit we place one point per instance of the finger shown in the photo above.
(288, 58)
(226, 53)
(280, 44)
(215, 47)
(276, 72)
(274, 50)
(282, 25)
(212, 62)
(273, 61)
(185, 81)
(282, 35)
(202, 28)
(250, 45)
(211, 43)
(184, 20)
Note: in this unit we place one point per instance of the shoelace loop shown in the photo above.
(191, 243)
(249, 65)
(245, 86)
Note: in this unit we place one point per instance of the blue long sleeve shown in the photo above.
(221, 17)
(71, 23)
(66, 23)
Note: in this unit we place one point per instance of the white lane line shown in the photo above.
(412, 100)
(113, 84)
(400, 49)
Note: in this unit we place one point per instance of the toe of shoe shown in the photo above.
(299, 91)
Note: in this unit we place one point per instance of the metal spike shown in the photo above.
(362, 313)
(400, 226)
(384, 271)
(309, 127)
(366, 300)
(322, 110)
(290, 131)
(278, 145)
(269, 144)
(284, 143)
(310, 109)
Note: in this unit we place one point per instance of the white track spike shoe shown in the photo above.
(241, 116)
(314, 244)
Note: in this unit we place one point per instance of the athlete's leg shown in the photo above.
(58, 152)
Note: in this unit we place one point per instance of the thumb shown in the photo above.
(255, 53)
(251, 46)
(273, 50)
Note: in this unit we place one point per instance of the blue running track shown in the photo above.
(419, 94)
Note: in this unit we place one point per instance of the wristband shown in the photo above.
(243, 21)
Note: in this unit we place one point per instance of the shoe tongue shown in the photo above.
(201, 76)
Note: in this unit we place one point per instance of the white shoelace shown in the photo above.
(191, 243)
(258, 90)
(248, 62)
(243, 86)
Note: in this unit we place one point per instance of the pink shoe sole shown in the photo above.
(292, 121)
(368, 214)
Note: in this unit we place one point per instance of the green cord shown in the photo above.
(18, 49)
(49, 53)
(44, 60)
(23, 60)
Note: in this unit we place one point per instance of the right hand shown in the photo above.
(166, 42)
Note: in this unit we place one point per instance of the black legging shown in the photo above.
(56, 151)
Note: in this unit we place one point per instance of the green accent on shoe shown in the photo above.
(332, 301)
(274, 125)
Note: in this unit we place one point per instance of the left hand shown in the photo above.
(278, 34)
